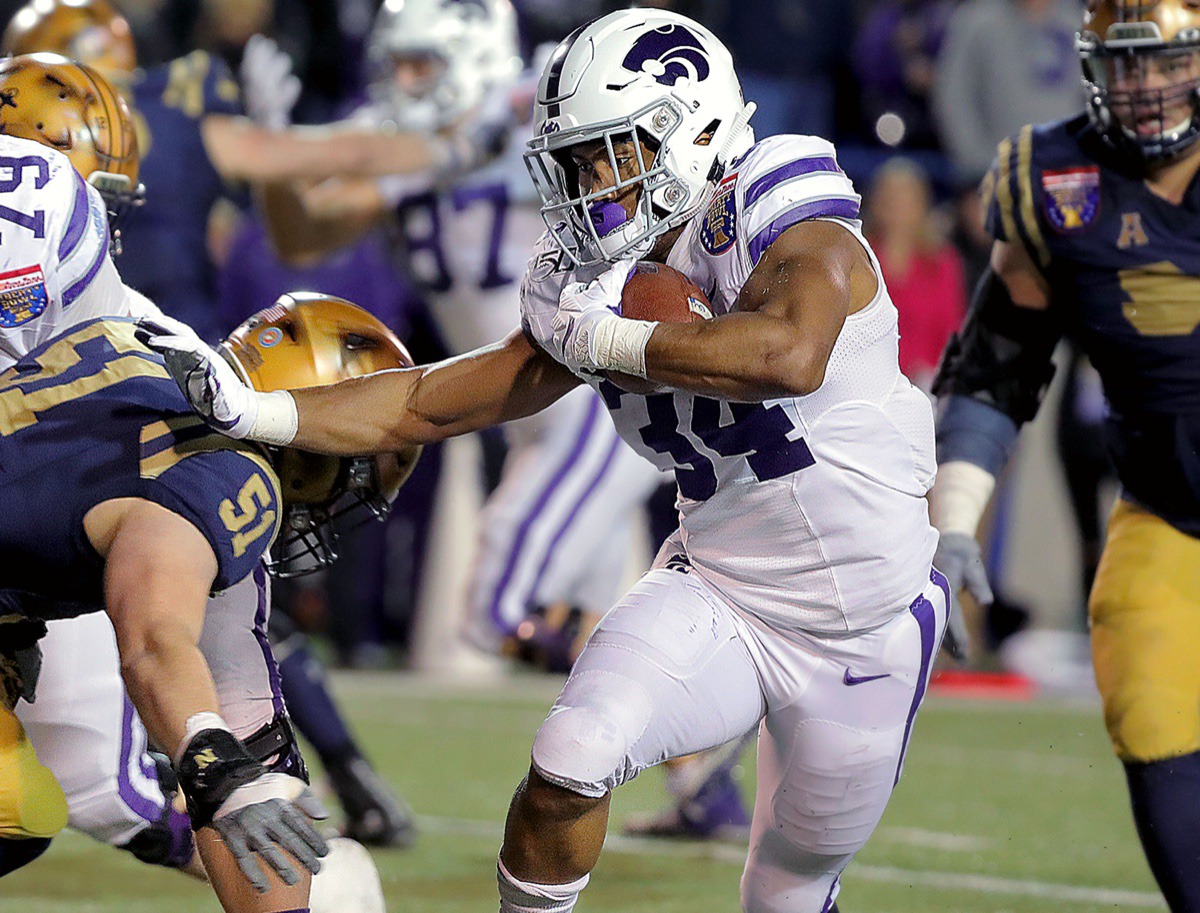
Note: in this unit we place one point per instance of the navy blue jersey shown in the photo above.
(166, 240)
(93, 415)
(1123, 266)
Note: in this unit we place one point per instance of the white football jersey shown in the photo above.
(53, 248)
(809, 511)
(467, 244)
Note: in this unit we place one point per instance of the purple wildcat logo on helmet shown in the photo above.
(668, 53)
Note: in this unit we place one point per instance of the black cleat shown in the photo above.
(375, 815)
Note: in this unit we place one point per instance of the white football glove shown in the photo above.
(208, 381)
(589, 330)
(269, 87)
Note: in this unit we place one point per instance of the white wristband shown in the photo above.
(277, 419)
(619, 344)
(196, 724)
(959, 496)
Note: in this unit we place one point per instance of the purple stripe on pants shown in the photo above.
(141, 805)
(539, 505)
(566, 524)
(260, 632)
(829, 900)
(922, 610)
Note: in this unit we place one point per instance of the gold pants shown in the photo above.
(1145, 618)
(31, 802)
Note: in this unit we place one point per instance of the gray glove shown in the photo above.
(959, 559)
(264, 829)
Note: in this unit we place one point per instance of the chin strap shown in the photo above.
(734, 140)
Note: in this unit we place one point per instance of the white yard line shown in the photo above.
(735, 854)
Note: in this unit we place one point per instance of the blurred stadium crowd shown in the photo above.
(914, 93)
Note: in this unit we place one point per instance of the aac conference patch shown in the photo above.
(23, 296)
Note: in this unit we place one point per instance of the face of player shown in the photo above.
(597, 171)
(417, 74)
(1152, 95)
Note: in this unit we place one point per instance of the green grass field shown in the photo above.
(1003, 807)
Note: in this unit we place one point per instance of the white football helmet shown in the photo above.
(643, 73)
(472, 43)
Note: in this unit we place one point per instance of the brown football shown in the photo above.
(656, 291)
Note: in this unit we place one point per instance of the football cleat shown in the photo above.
(551, 637)
(375, 815)
(714, 812)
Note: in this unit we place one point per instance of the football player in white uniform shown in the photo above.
(798, 594)
(446, 68)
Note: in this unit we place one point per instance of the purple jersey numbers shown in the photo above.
(12, 172)
(423, 224)
(757, 432)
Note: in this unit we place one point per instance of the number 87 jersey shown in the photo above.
(807, 511)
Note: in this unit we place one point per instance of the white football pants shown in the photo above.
(674, 669)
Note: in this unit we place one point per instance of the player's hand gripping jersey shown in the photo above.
(1123, 266)
(807, 511)
(55, 271)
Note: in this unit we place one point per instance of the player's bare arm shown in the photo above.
(243, 150)
(395, 409)
(158, 572)
(308, 220)
(789, 315)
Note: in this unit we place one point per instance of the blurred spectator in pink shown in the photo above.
(923, 270)
(895, 58)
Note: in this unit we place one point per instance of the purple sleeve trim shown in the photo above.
(77, 222)
(815, 209)
(786, 172)
(78, 287)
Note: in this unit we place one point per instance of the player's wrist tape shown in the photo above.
(960, 496)
(619, 344)
(213, 765)
(277, 419)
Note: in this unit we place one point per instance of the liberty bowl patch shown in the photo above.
(718, 231)
(22, 296)
(1071, 197)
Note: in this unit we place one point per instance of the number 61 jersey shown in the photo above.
(810, 511)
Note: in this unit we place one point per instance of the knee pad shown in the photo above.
(584, 745)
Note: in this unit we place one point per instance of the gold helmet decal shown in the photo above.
(89, 31)
(1141, 66)
(308, 340)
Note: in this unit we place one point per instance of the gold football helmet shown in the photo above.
(90, 31)
(1141, 65)
(72, 108)
(308, 340)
